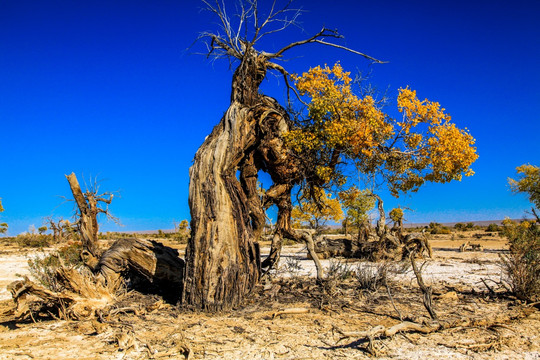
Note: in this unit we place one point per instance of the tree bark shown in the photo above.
(157, 267)
(87, 225)
(222, 256)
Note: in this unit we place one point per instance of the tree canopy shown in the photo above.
(528, 182)
(317, 214)
(341, 126)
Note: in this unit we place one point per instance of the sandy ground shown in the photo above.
(498, 328)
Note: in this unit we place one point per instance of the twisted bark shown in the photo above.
(222, 256)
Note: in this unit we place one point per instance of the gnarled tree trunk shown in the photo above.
(222, 256)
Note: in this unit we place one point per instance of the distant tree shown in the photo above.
(396, 215)
(182, 231)
(184, 225)
(42, 229)
(317, 214)
(3, 226)
(528, 182)
(358, 204)
(459, 226)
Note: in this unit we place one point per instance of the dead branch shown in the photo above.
(290, 311)
(380, 331)
(427, 291)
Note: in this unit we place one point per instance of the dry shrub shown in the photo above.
(522, 265)
(292, 266)
(371, 277)
(338, 270)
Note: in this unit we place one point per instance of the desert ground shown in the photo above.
(291, 316)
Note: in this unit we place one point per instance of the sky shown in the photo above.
(118, 91)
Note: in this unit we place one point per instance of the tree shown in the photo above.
(182, 231)
(3, 226)
(396, 215)
(358, 204)
(317, 214)
(340, 126)
(528, 182)
(147, 262)
(227, 214)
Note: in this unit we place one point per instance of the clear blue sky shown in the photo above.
(110, 89)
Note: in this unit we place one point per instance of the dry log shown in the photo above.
(328, 247)
(380, 331)
(290, 311)
(150, 266)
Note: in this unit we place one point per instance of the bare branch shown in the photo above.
(323, 33)
(350, 50)
(286, 75)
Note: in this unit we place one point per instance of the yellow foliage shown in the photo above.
(358, 203)
(318, 209)
(528, 182)
(396, 214)
(423, 146)
(340, 119)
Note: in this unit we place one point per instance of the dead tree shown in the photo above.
(61, 229)
(227, 215)
(88, 205)
(155, 265)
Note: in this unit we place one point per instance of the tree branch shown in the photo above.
(286, 75)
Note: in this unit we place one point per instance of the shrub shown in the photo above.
(43, 269)
(293, 266)
(493, 228)
(33, 240)
(459, 226)
(371, 277)
(521, 266)
(440, 230)
(338, 270)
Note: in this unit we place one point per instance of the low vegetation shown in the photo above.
(522, 265)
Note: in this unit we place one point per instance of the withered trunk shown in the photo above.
(222, 256)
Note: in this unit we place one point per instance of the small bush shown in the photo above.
(459, 226)
(33, 240)
(522, 266)
(493, 228)
(43, 269)
(338, 270)
(440, 230)
(293, 266)
(371, 277)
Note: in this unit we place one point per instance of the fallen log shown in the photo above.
(149, 265)
(392, 246)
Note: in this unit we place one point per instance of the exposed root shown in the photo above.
(80, 298)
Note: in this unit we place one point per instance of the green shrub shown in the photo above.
(459, 226)
(440, 230)
(33, 240)
(43, 269)
(493, 228)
